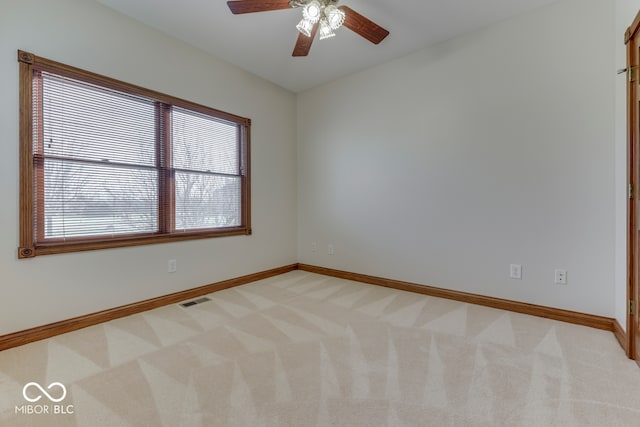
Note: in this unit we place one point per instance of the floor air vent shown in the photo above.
(195, 301)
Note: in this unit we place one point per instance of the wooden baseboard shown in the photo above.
(590, 320)
(47, 331)
(621, 336)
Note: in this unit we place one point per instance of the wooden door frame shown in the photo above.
(633, 168)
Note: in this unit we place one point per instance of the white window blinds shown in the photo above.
(97, 154)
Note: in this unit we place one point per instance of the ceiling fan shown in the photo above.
(316, 14)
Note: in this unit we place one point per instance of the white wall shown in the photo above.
(445, 166)
(442, 167)
(87, 35)
(626, 11)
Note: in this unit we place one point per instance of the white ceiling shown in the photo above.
(261, 43)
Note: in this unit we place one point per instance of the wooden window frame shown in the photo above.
(32, 242)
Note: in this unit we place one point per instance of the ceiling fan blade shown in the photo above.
(303, 45)
(250, 6)
(363, 26)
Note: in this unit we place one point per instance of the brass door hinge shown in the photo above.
(630, 306)
(630, 191)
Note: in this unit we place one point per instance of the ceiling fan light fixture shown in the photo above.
(325, 29)
(312, 11)
(334, 16)
(305, 26)
(317, 16)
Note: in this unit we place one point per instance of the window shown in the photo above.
(107, 164)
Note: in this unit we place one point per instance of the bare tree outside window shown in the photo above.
(206, 158)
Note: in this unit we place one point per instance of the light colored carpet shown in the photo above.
(302, 349)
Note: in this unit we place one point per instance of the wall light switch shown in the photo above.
(172, 266)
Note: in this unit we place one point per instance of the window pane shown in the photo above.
(207, 201)
(84, 121)
(84, 199)
(203, 143)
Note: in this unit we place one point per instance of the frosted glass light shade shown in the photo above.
(325, 29)
(335, 17)
(305, 26)
(312, 11)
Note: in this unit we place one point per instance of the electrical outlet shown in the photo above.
(560, 277)
(314, 246)
(331, 249)
(172, 266)
(515, 271)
